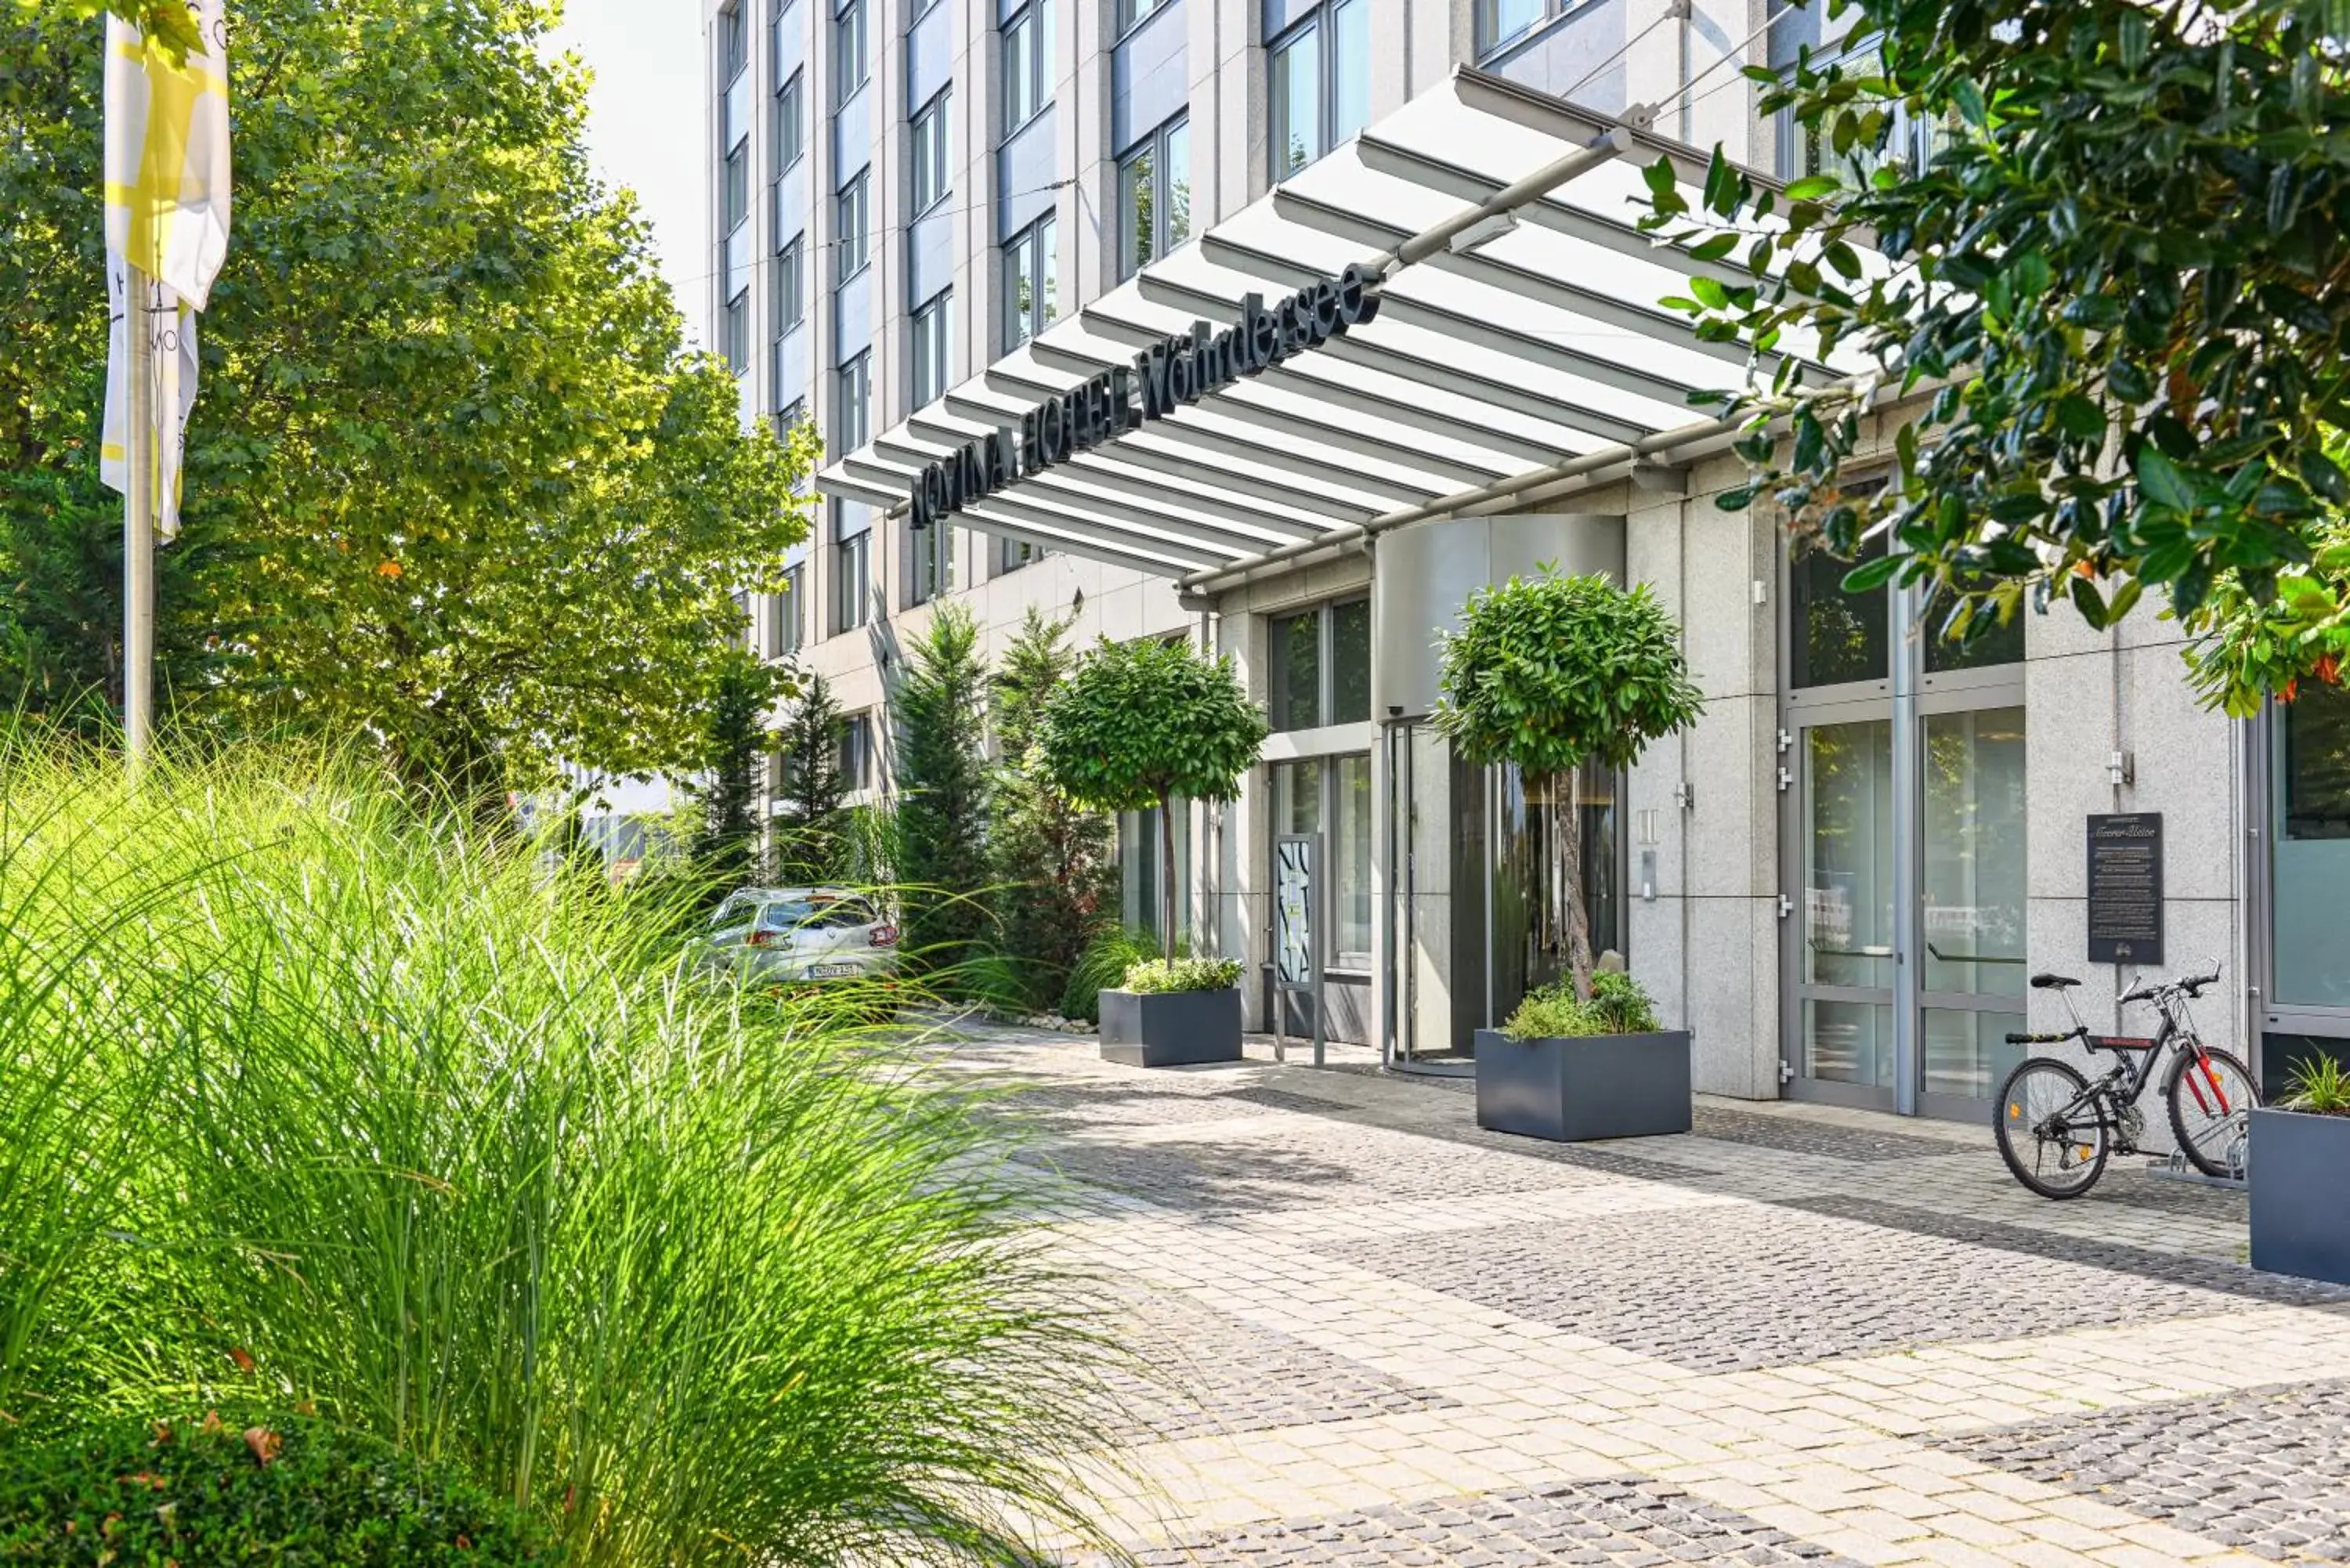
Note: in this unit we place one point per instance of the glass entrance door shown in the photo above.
(1971, 896)
(1842, 1044)
(1858, 1023)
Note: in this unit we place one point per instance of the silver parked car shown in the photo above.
(800, 936)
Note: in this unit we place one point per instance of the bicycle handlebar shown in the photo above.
(2185, 985)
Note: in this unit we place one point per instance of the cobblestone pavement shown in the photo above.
(2267, 1469)
(1377, 1335)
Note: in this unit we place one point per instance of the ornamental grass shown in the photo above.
(309, 1096)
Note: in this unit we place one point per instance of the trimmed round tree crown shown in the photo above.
(1550, 671)
(1138, 722)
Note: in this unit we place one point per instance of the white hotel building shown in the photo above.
(934, 217)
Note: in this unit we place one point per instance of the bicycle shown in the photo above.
(2057, 1128)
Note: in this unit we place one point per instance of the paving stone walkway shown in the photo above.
(1381, 1335)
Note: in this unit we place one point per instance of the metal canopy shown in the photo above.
(1516, 345)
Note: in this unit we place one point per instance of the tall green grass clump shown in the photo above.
(311, 1096)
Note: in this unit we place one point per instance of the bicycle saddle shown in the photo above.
(2052, 981)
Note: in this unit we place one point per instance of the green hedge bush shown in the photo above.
(142, 1494)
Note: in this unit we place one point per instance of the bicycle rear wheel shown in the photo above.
(2056, 1154)
(2212, 1115)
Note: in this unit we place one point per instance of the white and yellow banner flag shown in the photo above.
(167, 204)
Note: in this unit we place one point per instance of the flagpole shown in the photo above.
(139, 523)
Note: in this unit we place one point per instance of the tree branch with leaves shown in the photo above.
(2120, 234)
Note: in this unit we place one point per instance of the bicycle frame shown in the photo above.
(2120, 1087)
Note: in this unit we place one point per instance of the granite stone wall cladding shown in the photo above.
(2266, 1470)
(1629, 1522)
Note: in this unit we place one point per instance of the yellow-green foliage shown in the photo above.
(303, 1093)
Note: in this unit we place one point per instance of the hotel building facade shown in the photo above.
(1039, 232)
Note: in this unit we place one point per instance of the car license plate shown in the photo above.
(831, 970)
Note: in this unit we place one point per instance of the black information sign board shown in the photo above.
(2126, 887)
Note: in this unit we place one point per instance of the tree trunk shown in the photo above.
(1167, 875)
(1566, 858)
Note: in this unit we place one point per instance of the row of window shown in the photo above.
(930, 574)
(1320, 80)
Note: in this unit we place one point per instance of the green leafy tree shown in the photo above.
(726, 846)
(808, 824)
(2125, 275)
(1139, 723)
(454, 481)
(1552, 672)
(1055, 865)
(941, 707)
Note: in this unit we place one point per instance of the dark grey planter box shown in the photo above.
(1599, 1085)
(2299, 1171)
(1171, 1028)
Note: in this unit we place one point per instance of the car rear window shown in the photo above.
(821, 913)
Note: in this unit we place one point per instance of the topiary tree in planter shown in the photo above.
(1139, 723)
(1552, 672)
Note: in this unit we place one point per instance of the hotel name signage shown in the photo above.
(1176, 370)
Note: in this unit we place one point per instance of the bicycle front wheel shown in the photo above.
(2050, 1136)
(2211, 1110)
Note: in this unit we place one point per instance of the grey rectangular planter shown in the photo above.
(1171, 1028)
(2298, 1170)
(1599, 1085)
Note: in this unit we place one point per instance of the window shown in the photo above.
(1910, 142)
(790, 301)
(784, 630)
(1031, 280)
(1141, 862)
(790, 133)
(1321, 83)
(1837, 636)
(852, 231)
(929, 557)
(852, 403)
(734, 43)
(932, 173)
(849, 67)
(856, 752)
(1132, 12)
(2310, 762)
(1027, 63)
(734, 191)
(1332, 797)
(1011, 554)
(1318, 664)
(930, 339)
(852, 577)
(1501, 22)
(736, 330)
(790, 417)
(1154, 196)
